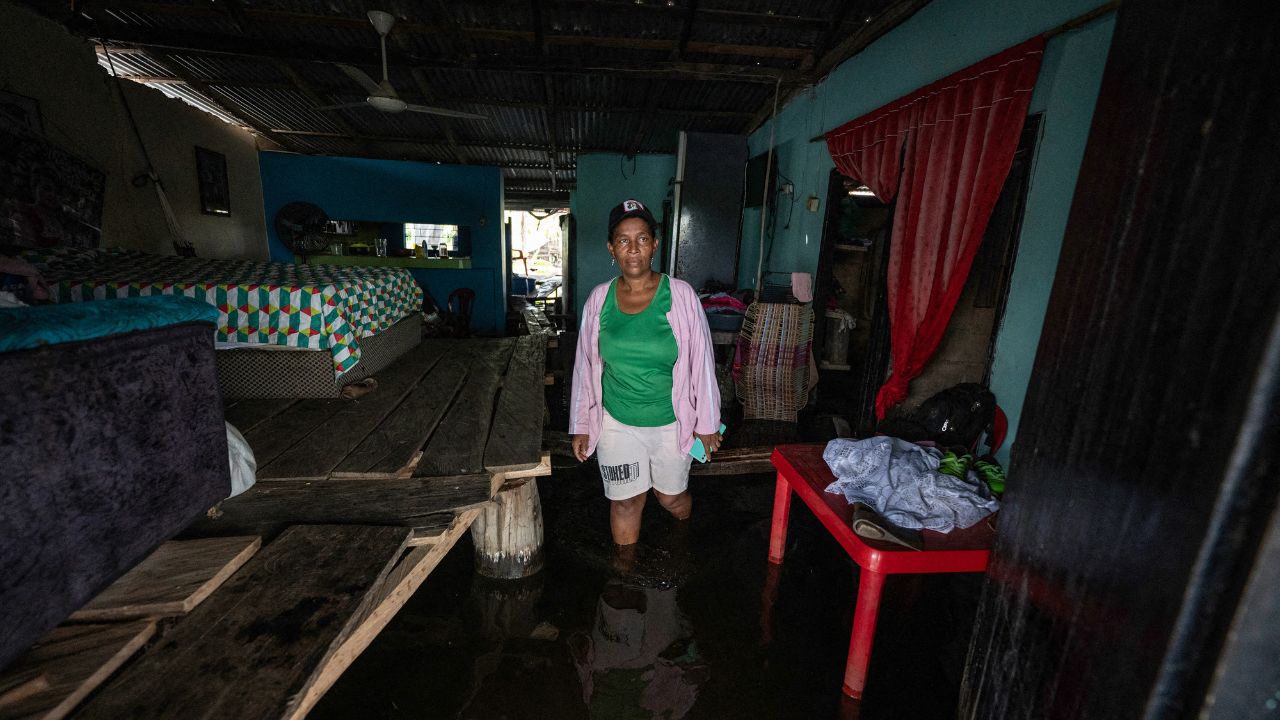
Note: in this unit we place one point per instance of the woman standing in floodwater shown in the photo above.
(644, 384)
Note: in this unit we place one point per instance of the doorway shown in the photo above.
(851, 300)
(537, 242)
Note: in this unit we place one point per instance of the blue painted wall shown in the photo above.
(403, 191)
(604, 180)
(943, 37)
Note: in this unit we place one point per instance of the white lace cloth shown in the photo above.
(900, 480)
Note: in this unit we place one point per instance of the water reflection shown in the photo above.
(640, 659)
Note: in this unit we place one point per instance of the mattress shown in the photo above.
(310, 307)
(264, 371)
(113, 441)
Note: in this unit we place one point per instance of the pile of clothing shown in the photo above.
(909, 484)
(724, 311)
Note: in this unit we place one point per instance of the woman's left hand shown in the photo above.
(710, 442)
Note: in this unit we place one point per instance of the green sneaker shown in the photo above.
(991, 472)
(955, 465)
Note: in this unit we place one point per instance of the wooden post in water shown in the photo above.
(508, 534)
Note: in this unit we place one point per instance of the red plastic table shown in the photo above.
(802, 469)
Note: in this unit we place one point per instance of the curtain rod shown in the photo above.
(1067, 26)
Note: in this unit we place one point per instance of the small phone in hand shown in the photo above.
(699, 450)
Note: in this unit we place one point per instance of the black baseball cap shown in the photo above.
(631, 209)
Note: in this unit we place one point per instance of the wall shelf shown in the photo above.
(404, 262)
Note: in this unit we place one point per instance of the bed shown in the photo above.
(283, 330)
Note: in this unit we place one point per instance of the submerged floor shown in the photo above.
(681, 635)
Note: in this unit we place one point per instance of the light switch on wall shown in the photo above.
(812, 203)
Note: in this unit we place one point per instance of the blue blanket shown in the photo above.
(29, 327)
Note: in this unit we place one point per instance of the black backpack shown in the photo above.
(955, 416)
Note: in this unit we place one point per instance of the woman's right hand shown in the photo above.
(580, 447)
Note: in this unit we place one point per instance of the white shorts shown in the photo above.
(634, 459)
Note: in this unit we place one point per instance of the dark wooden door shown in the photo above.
(710, 209)
(1145, 467)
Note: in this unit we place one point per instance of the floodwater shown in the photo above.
(680, 635)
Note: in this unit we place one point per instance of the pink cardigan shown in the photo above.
(695, 396)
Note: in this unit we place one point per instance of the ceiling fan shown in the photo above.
(381, 95)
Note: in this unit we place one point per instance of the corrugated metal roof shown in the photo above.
(584, 75)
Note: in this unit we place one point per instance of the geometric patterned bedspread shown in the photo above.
(318, 307)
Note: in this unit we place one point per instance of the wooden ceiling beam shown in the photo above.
(872, 29)
(496, 145)
(548, 89)
(646, 120)
(686, 31)
(450, 27)
(552, 123)
(720, 15)
(310, 93)
(444, 123)
(201, 43)
(459, 100)
(663, 45)
(226, 102)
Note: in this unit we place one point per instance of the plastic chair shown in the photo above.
(999, 429)
(460, 318)
(520, 256)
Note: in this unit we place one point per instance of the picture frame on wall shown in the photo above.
(20, 111)
(211, 171)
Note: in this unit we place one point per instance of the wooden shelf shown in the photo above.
(461, 263)
(852, 248)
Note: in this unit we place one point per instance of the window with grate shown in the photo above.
(432, 236)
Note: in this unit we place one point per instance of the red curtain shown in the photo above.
(944, 151)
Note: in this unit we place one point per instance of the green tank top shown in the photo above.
(639, 353)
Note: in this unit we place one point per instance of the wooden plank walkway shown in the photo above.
(253, 648)
(268, 643)
(356, 502)
(171, 581)
(67, 665)
(419, 504)
(448, 407)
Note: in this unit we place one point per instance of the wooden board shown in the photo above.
(515, 437)
(326, 446)
(268, 507)
(248, 414)
(272, 437)
(738, 461)
(254, 647)
(457, 446)
(73, 660)
(385, 601)
(20, 686)
(537, 321)
(512, 478)
(432, 528)
(557, 442)
(172, 580)
(393, 445)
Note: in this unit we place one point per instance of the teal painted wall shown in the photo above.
(1068, 111)
(604, 180)
(943, 37)
(404, 191)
